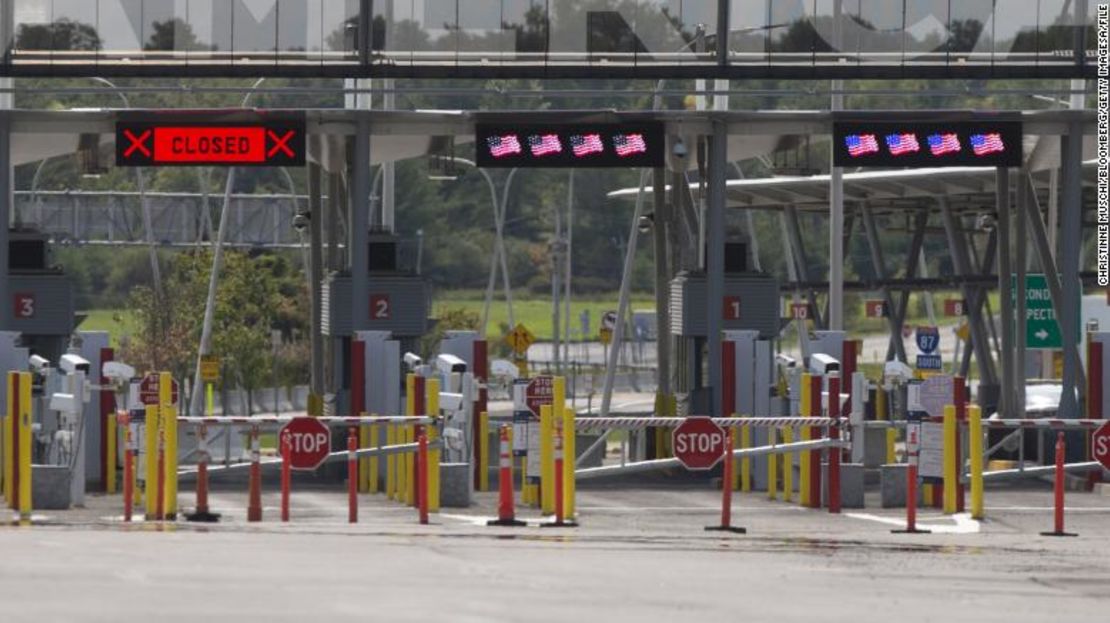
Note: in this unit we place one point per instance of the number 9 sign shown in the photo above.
(23, 305)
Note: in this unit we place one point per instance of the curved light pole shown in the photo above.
(499, 244)
(213, 277)
(148, 220)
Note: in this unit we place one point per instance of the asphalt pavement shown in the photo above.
(640, 554)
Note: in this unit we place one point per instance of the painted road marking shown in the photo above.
(963, 523)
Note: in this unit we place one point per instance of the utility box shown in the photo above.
(750, 302)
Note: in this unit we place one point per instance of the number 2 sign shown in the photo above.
(23, 304)
(380, 308)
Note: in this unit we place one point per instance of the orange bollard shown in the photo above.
(128, 467)
(912, 443)
(201, 513)
(422, 477)
(286, 476)
(506, 514)
(559, 522)
(1058, 490)
(352, 476)
(726, 495)
(254, 505)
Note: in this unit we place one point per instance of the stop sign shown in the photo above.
(1100, 445)
(698, 443)
(309, 442)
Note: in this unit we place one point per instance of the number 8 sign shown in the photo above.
(380, 309)
(23, 304)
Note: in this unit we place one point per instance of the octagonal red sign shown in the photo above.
(698, 442)
(1100, 445)
(309, 442)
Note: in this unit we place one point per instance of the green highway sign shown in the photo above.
(1041, 328)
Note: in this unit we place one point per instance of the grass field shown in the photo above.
(536, 313)
(117, 322)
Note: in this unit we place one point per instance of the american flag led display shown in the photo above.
(586, 144)
(986, 144)
(944, 143)
(504, 145)
(861, 144)
(629, 144)
(544, 144)
(902, 143)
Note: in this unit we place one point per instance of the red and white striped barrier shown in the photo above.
(640, 423)
(327, 420)
(1044, 423)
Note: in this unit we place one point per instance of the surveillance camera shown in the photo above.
(412, 360)
(39, 364)
(450, 363)
(786, 361)
(74, 363)
(679, 149)
(820, 363)
(117, 371)
(301, 221)
(897, 371)
(646, 222)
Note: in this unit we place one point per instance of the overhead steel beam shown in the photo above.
(878, 263)
(958, 246)
(1071, 240)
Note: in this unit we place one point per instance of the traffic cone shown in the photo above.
(201, 512)
(506, 514)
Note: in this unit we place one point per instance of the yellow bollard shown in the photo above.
(483, 451)
(374, 438)
(169, 428)
(110, 460)
(431, 391)
(391, 463)
(951, 478)
(787, 467)
(24, 441)
(9, 435)
(150, 486)
(975, 448)
(746, 462)
(209, 400)
(803, 461)
(569, 494)
(167, 421)
(547, 460)
(891, 433)
(772, 467)
(364, 462)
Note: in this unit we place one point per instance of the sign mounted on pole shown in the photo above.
(149, 386)
(1100, 445)
(1042, 329)
(875, 308)
(520, 339)
(309, 442)
(955, 307)
(956, 143)
(269, 142)
(589, 145)
(698, 442)
(210, 368)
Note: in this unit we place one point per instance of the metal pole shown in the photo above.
(622, 304)
(556, 263)
(836, 206)
(389, 193)
(568, 250)
(662, 283)
(1021, 261)
(1005, 292)
(5, 213)
(715, 255)
(360, 209)
(316, 278)
(1071, 239)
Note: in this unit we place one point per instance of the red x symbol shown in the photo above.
(280, 143)
(137, 143)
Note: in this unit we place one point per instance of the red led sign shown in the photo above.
(271, 144)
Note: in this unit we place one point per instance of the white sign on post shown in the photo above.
(931, 452)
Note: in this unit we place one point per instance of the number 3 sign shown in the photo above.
(23, 304)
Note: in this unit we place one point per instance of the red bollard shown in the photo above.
(913, 431)
(201, 513)
(1058, 490)
(726, 495)
(816, 385)
(834, 434)
(559, 522)
(254, 505)
(422, 477)
(286, 476)
(506, 515)
(128, 467)
(352, 475)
